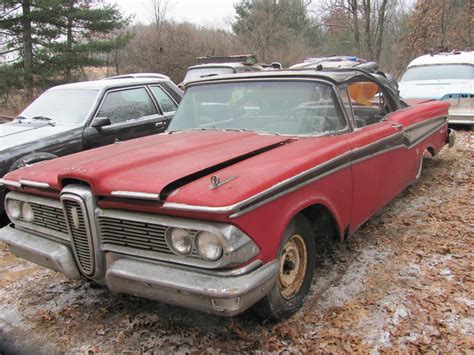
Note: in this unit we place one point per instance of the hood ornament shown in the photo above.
(216, 181)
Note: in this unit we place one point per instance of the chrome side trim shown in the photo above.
(38, 184)
(418, 132)
(395, 141)
(9, 183)
(135, 195)
(253, 199)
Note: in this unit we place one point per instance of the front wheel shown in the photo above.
(297, 258)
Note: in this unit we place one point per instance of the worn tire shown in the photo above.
(285, 298)
(30, 159)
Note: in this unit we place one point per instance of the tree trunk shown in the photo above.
(69, 50)
(27, 49)
(355, 24)
(368, 35)
(380, 30)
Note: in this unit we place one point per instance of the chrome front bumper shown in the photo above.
(225, 295)
(461, 119)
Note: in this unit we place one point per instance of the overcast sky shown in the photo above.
(217, 13)
(203, 12)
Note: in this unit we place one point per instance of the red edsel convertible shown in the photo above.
(226, 208)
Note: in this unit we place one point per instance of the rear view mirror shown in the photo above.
(100, 122)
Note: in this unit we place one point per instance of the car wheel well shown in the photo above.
(31, 159)
(323, 224)
(431, 150)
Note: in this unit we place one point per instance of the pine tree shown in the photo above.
(48, 40)
(86, 29)
(24, 27)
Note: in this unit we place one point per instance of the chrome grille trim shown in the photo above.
(79, 229)
(49, 216)
(144, 234)
(135, 234)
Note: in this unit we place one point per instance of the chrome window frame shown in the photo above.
(347, 129)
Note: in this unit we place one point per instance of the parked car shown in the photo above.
(335, 62)
(211, 66)
(70, 118)
(224, 210)
(447, 76)
(140, 76)
(344, 61)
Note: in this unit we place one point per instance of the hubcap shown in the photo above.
(293, 262)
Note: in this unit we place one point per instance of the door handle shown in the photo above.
(397, 125)
(160, 124)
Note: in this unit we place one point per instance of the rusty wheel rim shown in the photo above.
(293, 262)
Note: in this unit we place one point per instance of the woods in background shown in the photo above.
(44, 42)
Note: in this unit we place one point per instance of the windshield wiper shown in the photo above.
(250, 130)
(21, 118)
(44, 118)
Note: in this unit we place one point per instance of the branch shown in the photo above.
(9, 12)
(9, 51)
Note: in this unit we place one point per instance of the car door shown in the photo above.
(132, 113)
(379, 162)
(167, 104)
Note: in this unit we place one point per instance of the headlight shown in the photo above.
(208, 246)
(13, 208)
(27, 212)
(179, 240)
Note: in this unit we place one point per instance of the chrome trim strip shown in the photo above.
(74, 243)
(423, 136)
(241, 204)
(38, 184)
(242, 207)
(135, 195)
(89, 205)
(287, 191)
(10, 183)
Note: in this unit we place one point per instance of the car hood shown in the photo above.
(16, 133)
(178, 166)
(434, 89)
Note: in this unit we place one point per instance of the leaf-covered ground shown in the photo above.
(404, 281)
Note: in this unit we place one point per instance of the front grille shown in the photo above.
(49, 217)
(134, 234)
(81, 239)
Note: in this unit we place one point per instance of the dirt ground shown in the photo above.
(404, 281)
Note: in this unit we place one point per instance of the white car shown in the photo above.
(443, 76)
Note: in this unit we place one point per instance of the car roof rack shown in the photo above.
(247, 59)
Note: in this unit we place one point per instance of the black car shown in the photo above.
(74, 117)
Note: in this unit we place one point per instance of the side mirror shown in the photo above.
(100, 122)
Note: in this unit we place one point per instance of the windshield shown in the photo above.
(198, 73)
(280, 107)
(440, 72)
(62, 106)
